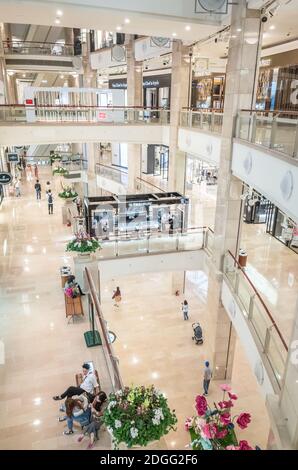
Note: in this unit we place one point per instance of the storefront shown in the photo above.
(277, 85)
(198, 171)
(208, 91)
(256, 208)
(155, 160)
(284, 229)
(156, 89)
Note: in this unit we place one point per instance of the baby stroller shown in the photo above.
(198, 334)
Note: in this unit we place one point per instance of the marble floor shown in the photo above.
(42, 351)
(160, 350)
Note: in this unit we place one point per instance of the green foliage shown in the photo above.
(138, 415)
(83, 243)
(60, 171)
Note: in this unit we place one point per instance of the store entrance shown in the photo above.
(282, 227)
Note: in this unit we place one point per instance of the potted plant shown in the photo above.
(83, 244)
(55, 157)
(214, 428)
(68, 193)
(136, 416)
(60, 171)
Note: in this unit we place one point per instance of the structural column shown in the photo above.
(134, 98)
(7, 92)
(241, 79)
(181, 71)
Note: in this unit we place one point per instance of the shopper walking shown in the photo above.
(48, 187)
(50, 201)
(207, 377)
(17, 187)
(35, 171)
(37, 188)
(185, 309)
(117, 297)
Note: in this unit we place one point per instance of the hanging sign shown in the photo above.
(12, 157)
(5, 178)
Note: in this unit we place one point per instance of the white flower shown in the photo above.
(134, 432)
(111, 405)
(156, 421)
(158, 414)
(89, 243)
(118, 424)
(119, 393)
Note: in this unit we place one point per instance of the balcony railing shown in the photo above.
(88, 114)
(276, 130)
(203, 119)
(258, 317)
(38, 48)
(116, 174)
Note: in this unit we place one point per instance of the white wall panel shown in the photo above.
(201, 144)
(276, 178)
(239, 323)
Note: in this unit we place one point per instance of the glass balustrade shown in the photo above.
(205, 120)
(258, 317)
(37, 48)
(274, 130)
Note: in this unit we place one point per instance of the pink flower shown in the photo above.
(243, 445)
(221, 434)
(209, 431)
(232, 396)
(68, 292)
(225, 404)
(188, 424)
(243, 420)
(225, 388)
(232, 448)
(201, 405)
(225, 418)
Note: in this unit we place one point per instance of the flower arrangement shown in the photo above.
(214, 429)
(55, 158)
(68, 193)
(138, 415)
(72, 292)
(60, 171)
(83, 243)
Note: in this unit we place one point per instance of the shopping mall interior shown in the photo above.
(148, 225)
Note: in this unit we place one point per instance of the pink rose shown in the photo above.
(188, 424)
(225, 418)
(243, 420)
(209, 431)
(201, 405)
(221, 434)
(232, 396)
(232, 448)
(243, 445)
(225, 388)
(225, 404)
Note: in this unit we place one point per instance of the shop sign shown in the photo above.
(102, 115)
(265, 62)
(5, 178)
(156, 81)
(12, 157)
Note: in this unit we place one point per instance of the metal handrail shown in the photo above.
(109, 107)
(151, 184)
(273, 323)
(94, 296)
(11, 43)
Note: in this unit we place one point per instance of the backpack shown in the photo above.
(50, 199)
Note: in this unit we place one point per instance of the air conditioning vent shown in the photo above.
(217, 7)
(160, 42)
(118, 53)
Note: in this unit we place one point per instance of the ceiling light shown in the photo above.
(59, 13)
(24, 75)
(62, 76)
(187, 28)
(127, 20)
(239, 30)
(10, 72)
(118, 28)
(44, 81)
(272, 26)
(174, 34)
(57, 21)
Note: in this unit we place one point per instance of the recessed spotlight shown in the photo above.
(44, 81)
(239, 30)
(127, 20)
(187, 28)
(10, 73)
(233, 36)
(174, 34)
(57, 21)
(62, 76)
(272, 27)
(59, 12)
(24, 75)
(118, 28)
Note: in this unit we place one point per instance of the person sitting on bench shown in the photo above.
(76, 409)
(71, 282)
(88, 386)
(97, 409)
